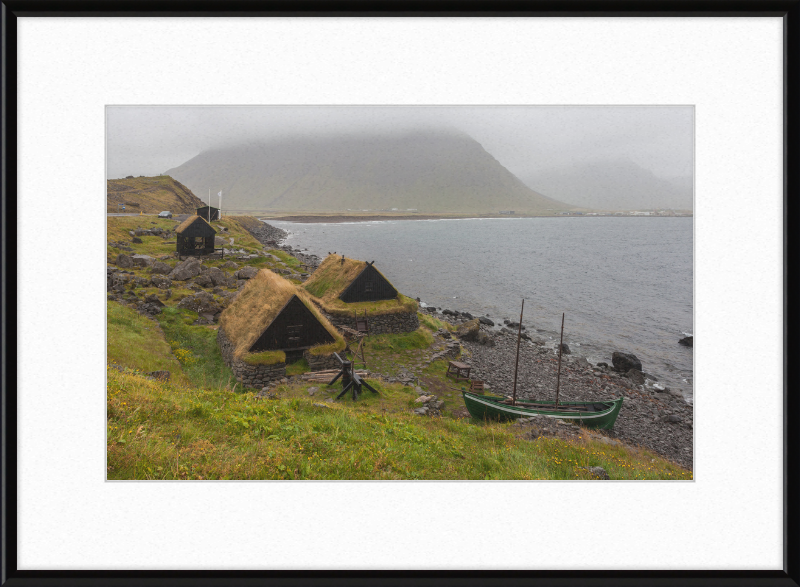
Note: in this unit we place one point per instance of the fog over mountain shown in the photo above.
(613, 185)
(442, 171)
(605, 157)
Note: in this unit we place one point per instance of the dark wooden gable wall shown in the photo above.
(204, 212)
(295, 327)
(369, 286)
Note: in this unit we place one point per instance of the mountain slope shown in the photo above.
(150, 195)
(613, 185)
(427, 171)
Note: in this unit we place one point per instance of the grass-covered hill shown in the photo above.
(151, 195)
(203, 424)
(427, 171)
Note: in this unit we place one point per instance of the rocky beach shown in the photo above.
(652, 416)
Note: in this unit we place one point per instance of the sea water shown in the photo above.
(624, 284)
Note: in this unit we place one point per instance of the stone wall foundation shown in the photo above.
(257, 376)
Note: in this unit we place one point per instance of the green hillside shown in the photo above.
(429, 172)
(150, 195)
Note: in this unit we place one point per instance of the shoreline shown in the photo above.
(316, 219)
(335, 219)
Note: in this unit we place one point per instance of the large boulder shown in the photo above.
(624, 362)
(202, 302)
(142, 260)
(485, 320)
(687, 341)
(203, 280)
(564, 349)
(160, 268)
(186, 269)
(469, 330)
(161, 282)
(220, 277)
(636, 376)
(153, 299)
(485, 339)
(124, 261)
(247, 273)
(229, 265)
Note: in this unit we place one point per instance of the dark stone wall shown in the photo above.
(257, 376)
(384, 324)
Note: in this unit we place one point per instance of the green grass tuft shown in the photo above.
(419, 339)
(433, 323)
(264, 358)
(297, 368)
(326, 349)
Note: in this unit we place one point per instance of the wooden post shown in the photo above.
(561, 344)
(516, 366)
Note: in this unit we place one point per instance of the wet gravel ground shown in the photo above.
(659, 421)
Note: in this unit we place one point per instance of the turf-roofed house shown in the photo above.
(195, 237)
(344, 288)
(270, 323)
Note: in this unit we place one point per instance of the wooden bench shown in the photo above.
(458, 371)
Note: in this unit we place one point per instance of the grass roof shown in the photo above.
(258, 304)
(189, 221)
(332, 277)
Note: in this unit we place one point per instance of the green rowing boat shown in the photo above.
(600, 414)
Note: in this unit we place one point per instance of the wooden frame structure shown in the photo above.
(350, 379)
(359, 352)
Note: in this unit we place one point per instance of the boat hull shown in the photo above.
(482, 407)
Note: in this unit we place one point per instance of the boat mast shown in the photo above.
(560, 348)
(516, 365)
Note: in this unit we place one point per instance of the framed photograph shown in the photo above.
(120, 123)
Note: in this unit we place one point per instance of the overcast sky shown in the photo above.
(527, 139)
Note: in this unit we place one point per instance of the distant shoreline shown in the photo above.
(314, 218)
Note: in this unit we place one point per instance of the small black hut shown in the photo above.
(208, 213)
(195, 237)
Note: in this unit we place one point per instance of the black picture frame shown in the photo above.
(789, 10)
